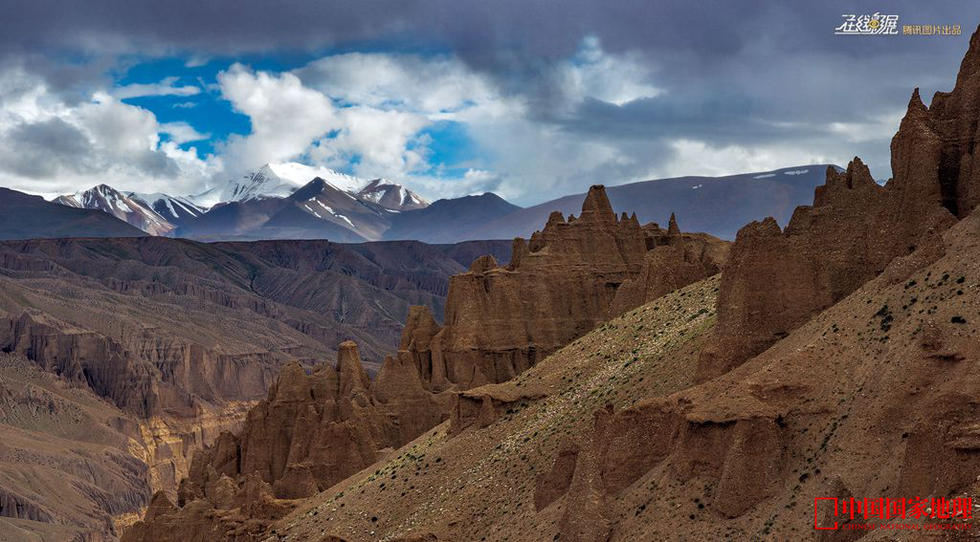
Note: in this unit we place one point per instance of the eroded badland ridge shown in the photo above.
(834, 358)
(569, 277)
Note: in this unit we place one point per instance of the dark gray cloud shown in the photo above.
(501, 32)
(43, 149)
(746, 73)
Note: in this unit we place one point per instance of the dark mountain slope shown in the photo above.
(715, 205)
(23, 216)
(452, 220)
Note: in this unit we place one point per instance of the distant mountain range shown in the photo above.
(391, 196)
(716, 205)
(318, 210)
(277, 201)
(295, 201)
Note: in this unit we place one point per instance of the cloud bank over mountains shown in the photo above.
(450, 99)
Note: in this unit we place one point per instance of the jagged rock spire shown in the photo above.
(420, 326)
(292, 384)
(352, 376)
(915, 104)
(855, 228)
(857, 175)
(555, 218)
(596, 205)
(518, 252)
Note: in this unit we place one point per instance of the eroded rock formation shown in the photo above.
(816, 413)
(185, 337)
(569, 277)
(315, 429)
(776, 279)
(796, 404)
(312, 431)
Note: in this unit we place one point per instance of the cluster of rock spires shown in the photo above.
(312, 431)
(776, 279)
(569, 277)
(315, 430)
(184, 337)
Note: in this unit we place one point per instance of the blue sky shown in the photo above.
(529, 100)
(192, 95)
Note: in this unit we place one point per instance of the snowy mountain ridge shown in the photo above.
(113, 202)
(161, 214)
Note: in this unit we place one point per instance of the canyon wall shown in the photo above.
(184, 338)
(312, 431)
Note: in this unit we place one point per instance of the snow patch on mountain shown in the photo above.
(348, 201)
(173, 208)
(279, 180)
(391, 196)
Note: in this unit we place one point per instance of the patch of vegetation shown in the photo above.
(886, 318)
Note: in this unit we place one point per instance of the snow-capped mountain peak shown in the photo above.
(300, 174)
(280, 180)
(111, 201)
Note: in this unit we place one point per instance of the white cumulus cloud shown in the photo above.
(50, 146)
(286, 116)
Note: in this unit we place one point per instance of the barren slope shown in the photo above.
(481, 482)
(878, 396)
(875, 397)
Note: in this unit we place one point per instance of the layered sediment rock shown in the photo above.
(185, 337)
(122, 371)
(181, 394)
(568, 278)
(167, 444)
